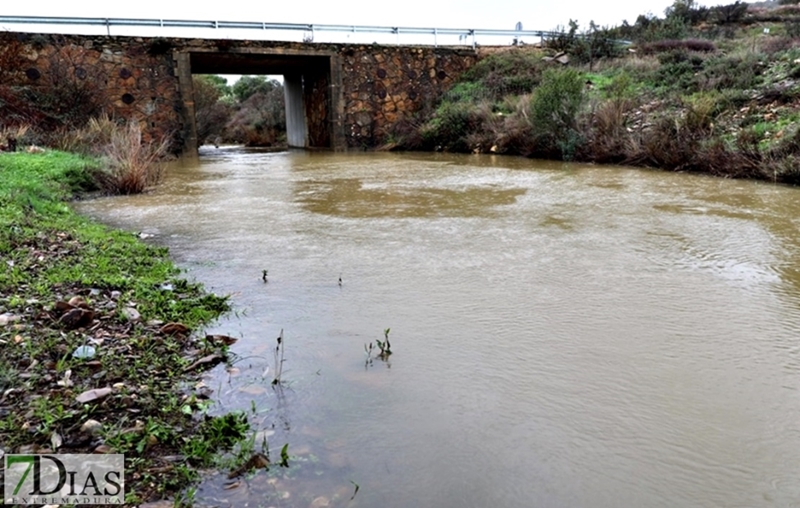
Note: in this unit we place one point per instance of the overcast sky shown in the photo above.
(503, 14)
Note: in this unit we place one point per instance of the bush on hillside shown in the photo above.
(740, 71)
(650, 28)
(594, 44)
(728, 14)
(451, 126)
(553, 113)
(672, 45)
(513, 72)
(688, 12)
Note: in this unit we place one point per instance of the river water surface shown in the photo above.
(563, 335)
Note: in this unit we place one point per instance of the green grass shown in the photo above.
(50, 253)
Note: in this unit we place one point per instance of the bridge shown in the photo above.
(338, 96)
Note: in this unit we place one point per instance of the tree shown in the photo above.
(250, 85)
(220, 83)
(687, 11)
(211, 114)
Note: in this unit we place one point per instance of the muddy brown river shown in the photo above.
(563, 335)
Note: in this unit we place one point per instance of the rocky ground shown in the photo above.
(99, 343)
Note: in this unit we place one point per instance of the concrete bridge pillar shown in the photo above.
(296, 130)
(183, 66)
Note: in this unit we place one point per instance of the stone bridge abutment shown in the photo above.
(338, 96)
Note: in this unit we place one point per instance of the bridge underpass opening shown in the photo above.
(312, 84)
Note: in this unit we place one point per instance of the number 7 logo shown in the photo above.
(20, 459)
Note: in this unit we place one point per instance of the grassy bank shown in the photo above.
(86, 308)
(712, 90)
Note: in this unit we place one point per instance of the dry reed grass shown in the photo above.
(16, 133)
(91, 139)
(132, 165)
(607, 131)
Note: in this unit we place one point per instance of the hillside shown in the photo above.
(713, 90)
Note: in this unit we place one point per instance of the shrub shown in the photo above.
(666, 145)
(717, 158)
(451, 125)
(131, 165)
(774, 45)
(91, 139)
(607, 131)
(792, 28)
(486, 128)
(516, 135)
(789, 11)
(740, 71)
(678, 69)
(467, 92)
(553, 112)
(787, 170)
(513, 72)
(687, 11)
(701, 110)
(728, 14)
(650, 28)
(673, 45)
(596, 43)
(16, 111)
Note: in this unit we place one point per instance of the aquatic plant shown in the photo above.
(285, 455)
(383, 345)
(278, 360)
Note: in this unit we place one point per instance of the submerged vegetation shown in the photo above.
(714, 90)
(95, 332)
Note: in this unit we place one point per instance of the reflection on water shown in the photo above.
(563, 335)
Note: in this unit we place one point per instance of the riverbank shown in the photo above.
(710, 90)
(96, 333)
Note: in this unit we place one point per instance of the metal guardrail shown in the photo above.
(108, 23)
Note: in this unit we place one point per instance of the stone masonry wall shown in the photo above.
(384, 84)
(136, 77)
